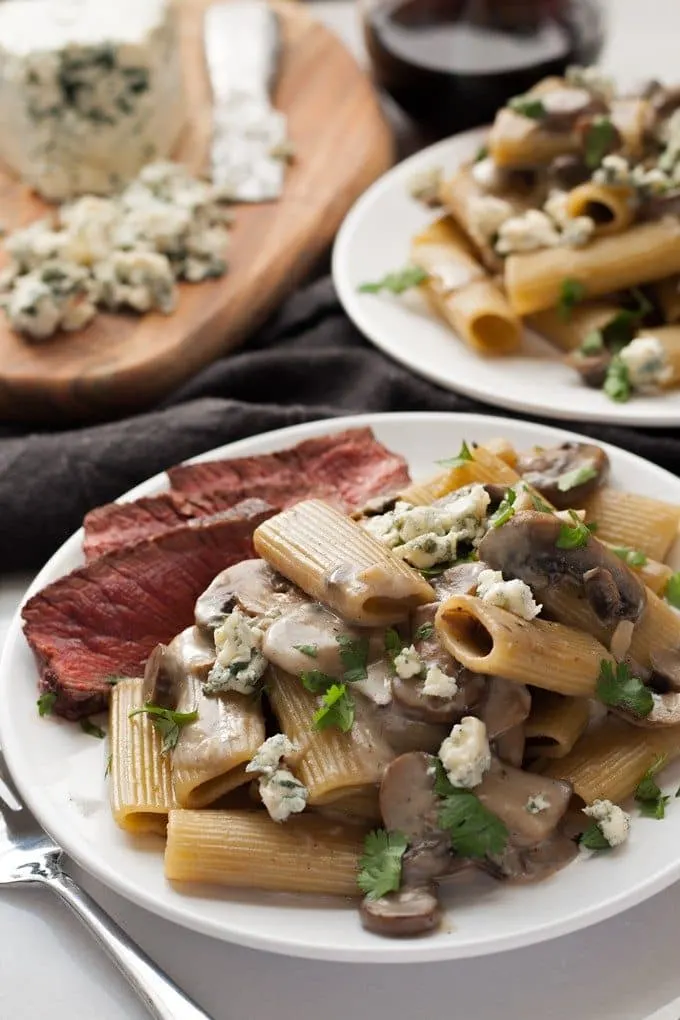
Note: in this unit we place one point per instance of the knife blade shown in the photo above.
(243, 47)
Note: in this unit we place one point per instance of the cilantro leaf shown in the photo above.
(109, 763)
(592, 838)
(463, 456)
(393, 643)
(482, 153)
(573, 536)
(316, 682)
(600, 138)
(633, 557)
(398, 282)
(442, 784)
(617, 385)
(425, 631)
(311, 650)
(337, 709)
(46, 703)
(571, 292)
(167, 721)
(92, 730)
(618, 688)
(380, 864)
(527, 106)
(473, 830)
(593, 343)
(570, 479)
(505, 511)
(671, 591)
(354, 656)
(540, 504)
(648, 793)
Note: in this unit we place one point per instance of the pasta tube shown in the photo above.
(667, 293)
(493, 641)
(515, 140)
(331, 764)
(141, 776)
(645, 252)
(335, 560)
(608, 762)
(212, 753)
(639, 522)
(247, 849)
(555, 723)
(569, 334)
(612, 208)
(632, 117)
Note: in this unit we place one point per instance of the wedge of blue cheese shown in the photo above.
(90, 91)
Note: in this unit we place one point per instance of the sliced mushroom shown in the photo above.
(408, 802)
(403, 913)
(459, 580)
(656, 207)
(592, 368)
(403, 733)
(565, 106)
(253, 586)
(532, 864)
(568, 171)
(665, 672)
(510, 747)
(507, 704)
(168, 666)
(526, 547)
(506, 791)
(376, 507)
(545, 470)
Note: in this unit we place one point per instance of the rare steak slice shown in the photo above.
(104, 619)
(346, 470)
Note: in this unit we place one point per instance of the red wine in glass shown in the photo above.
(450, 64)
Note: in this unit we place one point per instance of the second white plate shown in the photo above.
(375, 240)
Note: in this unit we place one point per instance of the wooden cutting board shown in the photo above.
(123, 362)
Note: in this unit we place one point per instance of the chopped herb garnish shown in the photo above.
(425, 631)
(311, 650)
(671, 591)
(337, 709)
(540, 504)
(354, 656)
(593, 343)
(617, 385)
(649, 795)
(571, 293)
(109, 763)
(593, 839)
(618, 688)
(573, 536)
(46, 703)
(397, 283)
(317, 682)
(393, 643)
(570, 479)
(473, 829)
(632, 557)
(92, 730)
(167, 721)
(482, 153)
(600, 138)
(527, 106)
(505, 511)
(464, 455)
(380, 865)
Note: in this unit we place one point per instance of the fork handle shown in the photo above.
(160, 995)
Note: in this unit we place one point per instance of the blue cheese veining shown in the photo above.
(89, 91)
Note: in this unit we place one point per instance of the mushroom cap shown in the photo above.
(591, 367)
(568, 171)
(533, 863)
(408, 802)
(543, 469)
(252, 585)
(168, 666)
(568, 104)
(410, 911)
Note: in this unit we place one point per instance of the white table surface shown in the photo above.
(623, 969)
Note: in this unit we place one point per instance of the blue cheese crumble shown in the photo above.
(465, 753)
(537, 803)
(282, 794)
(439, 684)
(647, 364)
(515, 595)
(408, 663)
(612, 821)
(240, 664)
(268, 756)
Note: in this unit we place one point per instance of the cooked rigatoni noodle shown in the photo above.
(608, 762)
(569, 333)
(645, 252)
(611, 207)
(331, 764)
(626, 519)
(667, 293)
(141, 776)
(493, 641)
(485, 467)
(360, 806)
(249, 850)
(460, 291)
(460, 195)
(555, 723)
(335, 560)
(503, 449)
(515, 140)
(212, 752)
(654, 574)
(633, 118)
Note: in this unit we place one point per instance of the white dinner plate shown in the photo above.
(60, 772)
(375, 239)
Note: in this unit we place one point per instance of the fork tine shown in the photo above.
(8, 794)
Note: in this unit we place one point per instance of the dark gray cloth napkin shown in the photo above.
(309, 362)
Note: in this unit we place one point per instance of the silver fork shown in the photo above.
(28, 855)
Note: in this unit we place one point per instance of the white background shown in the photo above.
(620, 970)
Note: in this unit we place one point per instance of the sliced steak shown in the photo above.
(104, 619)
(117, 525)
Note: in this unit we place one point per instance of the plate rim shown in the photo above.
(354, 308)
(415, 951)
